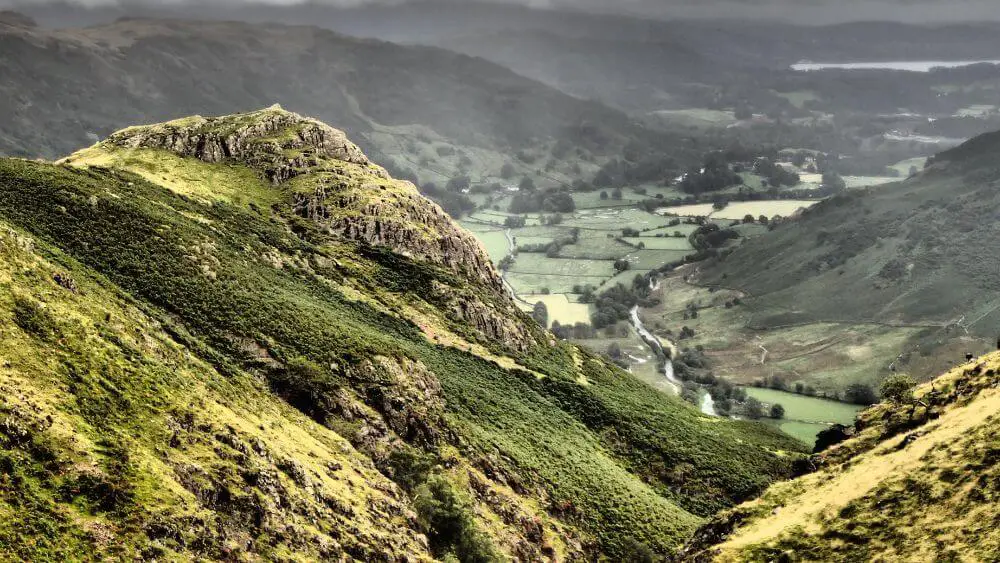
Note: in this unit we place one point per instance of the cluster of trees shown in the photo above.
(855, 393)
(551, 249)
(833, 183)
(634, 169)
(616, 194)
(754, 409)
(691, 365)
(514, 221)
(714, 175)
(711, 236)
(549, 201)
(749, 219)
(578, 331)
(614, 304)
(774, 174)
(454, 203)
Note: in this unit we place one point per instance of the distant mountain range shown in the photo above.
(637, 65)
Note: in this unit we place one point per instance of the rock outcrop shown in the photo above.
(330, 181)
(279, 143)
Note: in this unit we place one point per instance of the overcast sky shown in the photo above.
(817, 11)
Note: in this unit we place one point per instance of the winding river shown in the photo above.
(651, 340)
(654, 343)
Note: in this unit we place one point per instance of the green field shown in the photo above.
(560, 308)
(697, 117)
(624, 278)
(804, 416)
(867, 181)
(652, 259)
(615, 219)
(783, 207)
(592, 200)
(493, 239)
(596, 245)
(662, 243)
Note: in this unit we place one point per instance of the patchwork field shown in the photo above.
(553, 278)
(826, 356)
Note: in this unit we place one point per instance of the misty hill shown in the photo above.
(238, 337)
(919, 251)
(638, 65)
(915, 482)
(434, 113)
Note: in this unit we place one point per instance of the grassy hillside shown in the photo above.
(916, 482)
(251, 292)
(911, 253)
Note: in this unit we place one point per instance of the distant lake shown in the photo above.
(912, 66)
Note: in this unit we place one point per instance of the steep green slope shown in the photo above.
(915, 252)
(918, 482)
(269, 253)
(118, 440)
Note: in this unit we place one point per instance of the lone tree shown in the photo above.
(897, 388)
(514, 221)
(614, 351)
(507, 171)
(860, 394)
(541, 314)
(753, 408)
(777, 411)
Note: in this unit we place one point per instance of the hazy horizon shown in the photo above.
(818, 12)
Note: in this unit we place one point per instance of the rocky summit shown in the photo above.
(238, 338)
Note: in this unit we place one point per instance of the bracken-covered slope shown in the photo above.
(238, 338)
(918, 482)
